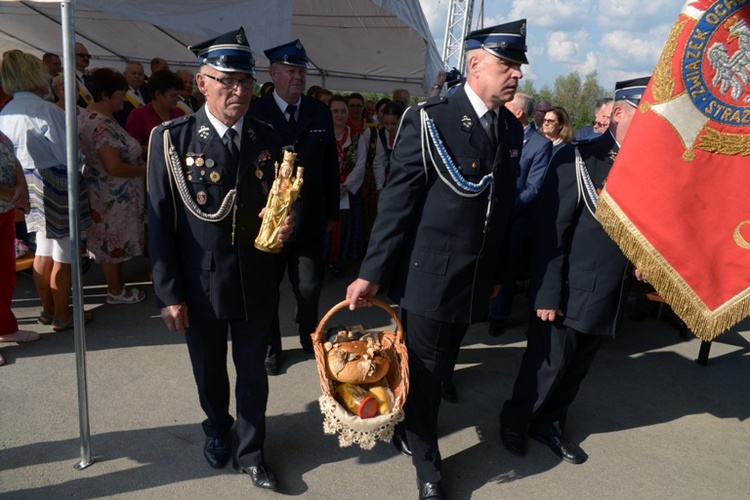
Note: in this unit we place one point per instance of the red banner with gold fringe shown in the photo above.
(676, 200)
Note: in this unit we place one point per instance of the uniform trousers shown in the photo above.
(502, 305)
(556, 360)
(430, 345)
(207, 345)
(304, 263)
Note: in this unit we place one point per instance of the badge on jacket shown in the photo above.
(201, 197)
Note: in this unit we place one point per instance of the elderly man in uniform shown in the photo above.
(439, 240)
(306, 124)
(209, 176)
(578, 285)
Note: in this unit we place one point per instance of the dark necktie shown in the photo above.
(229, 136)
(292, 109)
(87, 81)
(136, 93)
(491, 119)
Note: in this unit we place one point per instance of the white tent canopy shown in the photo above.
(362, 45)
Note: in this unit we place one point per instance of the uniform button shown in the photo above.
(242, 228)
(416, 264)
(242, 205)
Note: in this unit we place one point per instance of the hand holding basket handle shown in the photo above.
(360, 292)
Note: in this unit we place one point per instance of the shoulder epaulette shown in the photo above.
(583, 142)
(432, 101)
(263, 123)
(177, 121)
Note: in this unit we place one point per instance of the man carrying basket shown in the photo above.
(443, 222)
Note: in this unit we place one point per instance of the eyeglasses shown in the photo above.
(547, 120)
(232, 83)
(83, 54)
(601, 125)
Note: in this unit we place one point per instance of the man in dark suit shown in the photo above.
(83, 79)
(578, 282)
(209, 175)
(306, 124)
(188, 103)
(537, 151)
(439, 240)
(602, 112)
(137, 94)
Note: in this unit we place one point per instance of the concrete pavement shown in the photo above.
(654, 423)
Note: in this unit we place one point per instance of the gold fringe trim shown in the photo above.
(704, 323)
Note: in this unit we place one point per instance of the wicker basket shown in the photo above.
(352, 429)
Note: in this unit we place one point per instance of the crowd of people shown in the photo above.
(445, 204)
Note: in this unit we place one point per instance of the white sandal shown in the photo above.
(135, 296)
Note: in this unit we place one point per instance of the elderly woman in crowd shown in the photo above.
(37, 129)
(556, 127)
(13, 194)
(115, 175)
(58, 88)
(164, 87)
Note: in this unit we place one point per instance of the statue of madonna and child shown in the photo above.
(283, 193)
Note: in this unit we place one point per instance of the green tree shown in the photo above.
(577, 96)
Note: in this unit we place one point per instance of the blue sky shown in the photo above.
(620, 39)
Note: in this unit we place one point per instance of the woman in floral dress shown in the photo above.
(115, 174)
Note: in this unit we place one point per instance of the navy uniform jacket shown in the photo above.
(315, 145)
(537, 151)
(429, 245)
(194, 260)
(575, 266)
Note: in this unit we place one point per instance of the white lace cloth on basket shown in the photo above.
(362, 431)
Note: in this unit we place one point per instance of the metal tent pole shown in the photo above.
(67, 11)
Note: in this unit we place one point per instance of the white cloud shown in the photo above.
(628, 47)
(628, 54)
(634, 14)
(566, 47)
(561, 14)
(590, 64)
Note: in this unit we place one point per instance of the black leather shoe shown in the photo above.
(261, 475)
(570, 452)
(272, 364)
(401, 444)
(513, 440)
(430, 491)
(497, 328)
(448, 392)
(217, 451)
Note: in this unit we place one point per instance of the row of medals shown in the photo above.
(193, 159)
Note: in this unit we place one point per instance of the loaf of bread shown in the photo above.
(356, 362)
